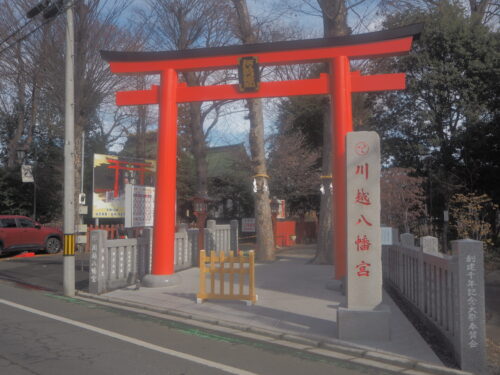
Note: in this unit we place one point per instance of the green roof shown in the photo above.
(228, 160)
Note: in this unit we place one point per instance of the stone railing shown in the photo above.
(446, 292)
(186, 248)
(221, 237)
(115, 264)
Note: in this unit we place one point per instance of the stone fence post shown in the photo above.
(210, 235)
(193, 245)
(471, 348)
(429, 245)
(407, 240)
(98, 262)
(144, 252)
(234, 235)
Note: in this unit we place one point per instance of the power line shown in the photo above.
(40, 7)
(52, 17)
(16, 31)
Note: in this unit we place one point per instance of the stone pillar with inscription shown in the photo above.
(364, 316)
(470, 319)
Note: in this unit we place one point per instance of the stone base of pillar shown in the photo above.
(159, 281)
(336, 285)
(355, 324)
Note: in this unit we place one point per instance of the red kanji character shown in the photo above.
(362, 197)
(362, 269)
(362, 170)
(362, 244)
(363, 218)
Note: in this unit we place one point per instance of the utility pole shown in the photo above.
(69, 164)
(51, 9)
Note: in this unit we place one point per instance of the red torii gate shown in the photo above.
(340, 83)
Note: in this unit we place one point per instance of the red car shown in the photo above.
(19, 233)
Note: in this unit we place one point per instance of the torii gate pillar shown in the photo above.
(162, 270)
(341, 106)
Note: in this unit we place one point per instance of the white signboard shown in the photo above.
(281, 209)
(27, 173)
(139, 206)
(364, 250)
(248, 224)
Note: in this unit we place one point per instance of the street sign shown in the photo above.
(27, 173)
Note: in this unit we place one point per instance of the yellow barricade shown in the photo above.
(220, 265)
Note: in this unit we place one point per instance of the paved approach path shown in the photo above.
(292, 299)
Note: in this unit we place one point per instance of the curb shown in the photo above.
(340, 350)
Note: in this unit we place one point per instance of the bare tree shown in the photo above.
(185, 24)
(265, 241)
(96, 28)
(21, 66)
(403, 198)
(294, 168)
(334, 13)
(480, 11)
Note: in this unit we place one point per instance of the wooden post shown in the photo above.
(202, 293)
(251, 276)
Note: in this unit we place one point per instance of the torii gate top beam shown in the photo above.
(376, 44)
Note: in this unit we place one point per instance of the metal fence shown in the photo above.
(446, 291)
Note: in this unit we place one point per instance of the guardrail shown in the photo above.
(240, 266)
(446, 292)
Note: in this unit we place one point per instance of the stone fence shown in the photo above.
(118, 263)
(446, 292)
(221, 237)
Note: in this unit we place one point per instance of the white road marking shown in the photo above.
(131, 340)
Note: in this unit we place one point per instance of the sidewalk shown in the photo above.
(292, 299)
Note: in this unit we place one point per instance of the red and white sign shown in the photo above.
(248, 224)
(281, 209)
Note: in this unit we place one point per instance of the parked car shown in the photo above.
(20, 233)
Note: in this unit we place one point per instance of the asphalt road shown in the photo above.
(42, 332)
(38, 285)
(43, 271)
